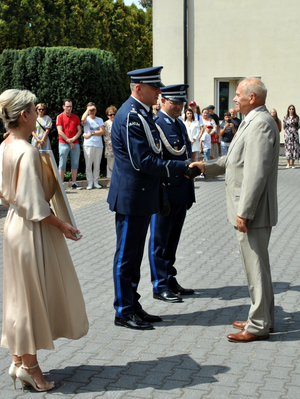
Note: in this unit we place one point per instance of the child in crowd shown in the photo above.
(205, 142)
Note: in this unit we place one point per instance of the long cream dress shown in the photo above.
(42, 298)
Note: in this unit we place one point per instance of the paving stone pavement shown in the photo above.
(187, 355)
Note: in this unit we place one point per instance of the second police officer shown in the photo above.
(179, 196)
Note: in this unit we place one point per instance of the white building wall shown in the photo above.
(168, 46)
(231, 39)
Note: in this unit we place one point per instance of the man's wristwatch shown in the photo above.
(93, 133)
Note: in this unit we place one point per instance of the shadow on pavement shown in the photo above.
(167, 373)
(236, 291)
(287, 325)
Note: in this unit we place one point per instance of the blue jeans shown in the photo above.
(224, 148)
(64, 150)
(206, 154)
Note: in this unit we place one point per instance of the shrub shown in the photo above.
(55, 73)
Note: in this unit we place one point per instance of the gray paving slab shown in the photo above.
(187, 355)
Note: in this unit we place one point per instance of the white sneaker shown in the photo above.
(89, 186)
(96, 185)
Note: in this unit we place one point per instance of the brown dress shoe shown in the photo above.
(245, 336)
(240, 325)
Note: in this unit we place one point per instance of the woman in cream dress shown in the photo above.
(42, 298)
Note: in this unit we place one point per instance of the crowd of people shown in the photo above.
(69, 129)
(154, 159)
(97, 135)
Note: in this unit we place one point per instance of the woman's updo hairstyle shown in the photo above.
(12, 103)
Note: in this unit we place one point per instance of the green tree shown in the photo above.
(104, 24)
(146, 3)
(22, 22)
(131, 38)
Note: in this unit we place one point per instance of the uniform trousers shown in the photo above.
(255, 258)
(163, 243)
(131, 235)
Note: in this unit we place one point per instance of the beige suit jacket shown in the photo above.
(251, 167)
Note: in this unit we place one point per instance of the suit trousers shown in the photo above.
(163, 243)
(131, 235)
(255, 258)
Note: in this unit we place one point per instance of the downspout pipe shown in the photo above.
(185, 43)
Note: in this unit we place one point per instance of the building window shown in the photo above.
(223, 98)
(224, 94)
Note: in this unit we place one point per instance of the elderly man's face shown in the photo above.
(233, 113)
(242, 101)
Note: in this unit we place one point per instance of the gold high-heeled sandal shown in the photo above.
(25, 377)
(12, 371)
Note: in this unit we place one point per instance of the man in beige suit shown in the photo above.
(251, 167)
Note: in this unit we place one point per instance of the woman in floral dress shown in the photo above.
(109, 155)
(291, 136)
(43, 125)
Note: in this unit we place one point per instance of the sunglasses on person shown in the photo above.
(111, 114)
(41, 109)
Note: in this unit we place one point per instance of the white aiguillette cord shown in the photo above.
(149, 137)
(168, 145)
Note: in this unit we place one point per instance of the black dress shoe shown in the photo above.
(167, 296)
(133, 322)
(177, 289)
(150, 318)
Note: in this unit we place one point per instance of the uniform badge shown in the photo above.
(143, 112)
(176, 148)
(168, 121)
(133, 108)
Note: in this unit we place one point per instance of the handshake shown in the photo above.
(195, 170)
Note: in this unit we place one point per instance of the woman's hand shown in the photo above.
(70, 231)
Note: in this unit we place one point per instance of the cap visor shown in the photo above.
(159, 84)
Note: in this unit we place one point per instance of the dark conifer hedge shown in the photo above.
(55, 73)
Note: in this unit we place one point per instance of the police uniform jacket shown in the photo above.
(136, 187)
(178, 190)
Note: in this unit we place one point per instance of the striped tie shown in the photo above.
(242, 124)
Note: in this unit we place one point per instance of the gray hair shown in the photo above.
(12, 103)
(256, 86)
(132, 86)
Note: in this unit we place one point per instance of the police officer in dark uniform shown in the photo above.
(136, 190)
(179, 196)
